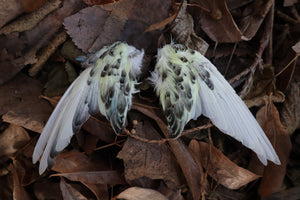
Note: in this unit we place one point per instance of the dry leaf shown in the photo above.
(290, 111)
(219, 167)
(31, 5)
(25, 46)
(47, 190)
(29, 21)
(57, 80)
(12, 139)
(124, 20)
(85, 26)
(253, 16)
(136, 193)
(154, 161)
(262, 86)
(102, 130)
(9, 10)
(19, 193)
(20, 98)
(95, 177)
(296, 47)
(8, 69)
(182, 30)
(74, 161)
(217, 23)
(47, 52)
(184, 158)
(287, 3)
(99, 190)
(69, 192)
(268, 118)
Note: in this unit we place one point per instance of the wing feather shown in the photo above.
(212, 96)
(106, 85)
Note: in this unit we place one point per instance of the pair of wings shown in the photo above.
(106, 85)
(189, 85)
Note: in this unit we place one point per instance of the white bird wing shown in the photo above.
(185, 73)
(117, 76)
(79, 101)
(229, 113)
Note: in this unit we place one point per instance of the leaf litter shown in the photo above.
(257, 45)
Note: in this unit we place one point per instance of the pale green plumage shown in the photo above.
(189, 85)
(106, 85)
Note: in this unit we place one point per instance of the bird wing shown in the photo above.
(97, 88)
(211, 96)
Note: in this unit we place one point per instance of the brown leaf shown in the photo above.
(296, 47)
(25, 46)
(9, 10)
(219, 167)
(253, 16)
(218, 24)
(68, 192)
(12, 139)
(8, 69)
(289, 2)
(100, 190)
(136, 193)
(22, 105)
(47, 190)
(98, 2)
(161, 24)
(100, 129)
(290, 111)
(143, 159)
(95, 177)
(29, 21)
(83, 28)
(31, 5)
(184, 158)
(268, 117)
(57, 80)
(47, 52)
(74, 161)
(125, 20)
(263, 85)
(19, 193)
(182, 30)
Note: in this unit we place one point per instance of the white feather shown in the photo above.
(89, 94)
(213, 97)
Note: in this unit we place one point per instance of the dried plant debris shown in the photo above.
(93, 27)
(261, 87)
(182, 30)
(29, 21)
(255, 45)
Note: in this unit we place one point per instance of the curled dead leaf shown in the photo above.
(12, 139)
(182, 30)
(263, 87)
(136, 193)
(69, 192)
(219, 167)
(142, 159)
(268, 118)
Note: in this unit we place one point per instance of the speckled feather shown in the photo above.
(189, 85)
(106, 85)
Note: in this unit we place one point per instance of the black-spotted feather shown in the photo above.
(106, 85)
(190, 74)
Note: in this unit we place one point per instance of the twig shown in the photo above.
(206, 126)
(229, 61)
(47, 52)
(295, 58)
(161, 141)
